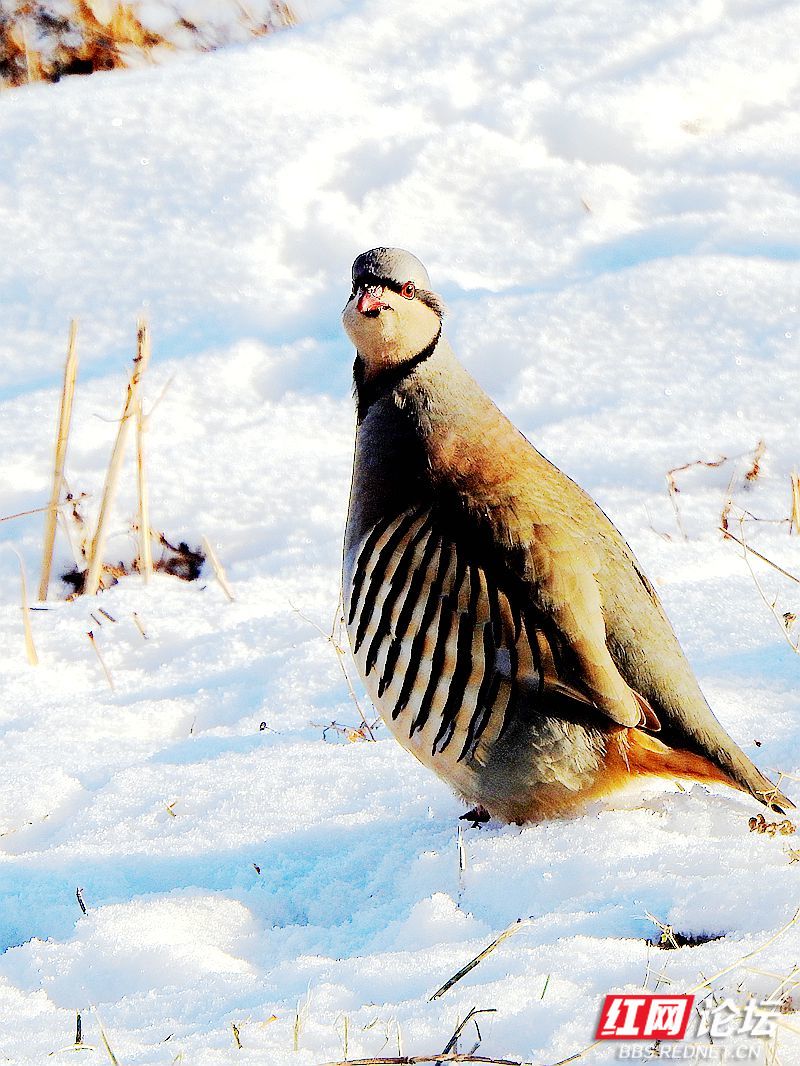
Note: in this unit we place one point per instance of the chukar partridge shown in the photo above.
(502, 626)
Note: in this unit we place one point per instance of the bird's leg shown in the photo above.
(478, 816)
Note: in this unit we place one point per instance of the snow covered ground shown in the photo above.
(607, 196)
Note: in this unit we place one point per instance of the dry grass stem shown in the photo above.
(750, 954)
(138, 623)
(520, 923)
(142, 420)
(674, 491)
(62, 439)
(334, 640)
(451, 1043)
(104, 1038)
(24, 514)
(462, 862)
(420, 1060)
(101, 660)
(95, 570)
(30, 647)
(758, 555)
(237, 1039)
(705, 983)
(667, 932)
(755, 466)
(219, 573)
(782, 622)
(794, 523)
(79, 1045)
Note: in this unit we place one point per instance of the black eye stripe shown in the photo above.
(431, 299)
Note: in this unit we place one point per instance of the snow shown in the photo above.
(606, 196)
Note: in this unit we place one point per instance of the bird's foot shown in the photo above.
(478, 816)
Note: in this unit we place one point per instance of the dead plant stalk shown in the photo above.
(219, 573)
(145, 550)
(794, 523)
(770, 606)
(30, 647)
(521, 923)
(62, 438)
(112, 477)
(419, 1060)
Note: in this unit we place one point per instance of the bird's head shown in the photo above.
(392, 314)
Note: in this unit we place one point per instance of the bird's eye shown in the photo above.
(409, 290)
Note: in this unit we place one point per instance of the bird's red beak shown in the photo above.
(369, 304)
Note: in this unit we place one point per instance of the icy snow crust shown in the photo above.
(606, 194)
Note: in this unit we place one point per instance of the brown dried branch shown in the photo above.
(751, 475)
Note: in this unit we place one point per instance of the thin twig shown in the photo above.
(673, 491)
(62, 439)
(770, 606)
(336, 645)
(519, 924)
(758, 555)
(23, 514)
(219, 573)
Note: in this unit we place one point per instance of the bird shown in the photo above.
(501, 625)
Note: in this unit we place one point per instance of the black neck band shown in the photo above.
(367, 392)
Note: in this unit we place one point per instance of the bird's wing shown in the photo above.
(560, 580)
(450, 628)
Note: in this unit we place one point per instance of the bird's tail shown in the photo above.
(645, 754)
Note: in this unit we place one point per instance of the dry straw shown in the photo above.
(95, 570)
(62, 438)
(219, 573)
(145, 548)
(30, 647)
(795, 519)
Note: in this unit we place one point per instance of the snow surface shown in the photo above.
(606, 194)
